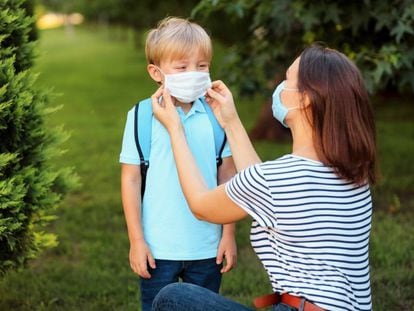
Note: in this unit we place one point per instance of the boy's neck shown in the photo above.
(184, 106)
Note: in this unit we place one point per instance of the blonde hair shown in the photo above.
(176, 38)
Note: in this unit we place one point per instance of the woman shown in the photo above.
(311, 208)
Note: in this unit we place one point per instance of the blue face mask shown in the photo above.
(279, 111)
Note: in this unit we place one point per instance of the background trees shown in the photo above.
(266, 35)
(136, 14)
(377, 34)
(263, 37)
(30, 186)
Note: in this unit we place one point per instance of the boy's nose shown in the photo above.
(192, 68)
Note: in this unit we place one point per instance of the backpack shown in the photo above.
(142, 134)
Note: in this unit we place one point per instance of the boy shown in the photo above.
(167, 242)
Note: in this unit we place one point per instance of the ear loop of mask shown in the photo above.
(289, 89)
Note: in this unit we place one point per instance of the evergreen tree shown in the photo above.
(30, 186)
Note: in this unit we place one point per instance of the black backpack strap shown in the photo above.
(219, 159)
(141, 156)
(144, 163)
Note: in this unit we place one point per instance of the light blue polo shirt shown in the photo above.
(170, 229)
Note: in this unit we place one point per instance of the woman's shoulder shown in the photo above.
(290, 167)
(290, 160)
(296, 166)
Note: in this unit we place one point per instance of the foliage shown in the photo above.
(137, 14)
(29, 7)
(377, 34)
(60, 6)
(29, 186)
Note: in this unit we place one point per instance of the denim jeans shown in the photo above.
(205, 273)
(283, 307)
(188, 297)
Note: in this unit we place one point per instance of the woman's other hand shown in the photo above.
(164, 109)
(221, 102)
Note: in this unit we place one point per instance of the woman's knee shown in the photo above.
(172, 295)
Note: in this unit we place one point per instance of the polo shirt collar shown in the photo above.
(196, 107)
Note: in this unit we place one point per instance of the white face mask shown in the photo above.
(187, 86)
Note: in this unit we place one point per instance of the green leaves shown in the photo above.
(403, 27)
(378, 35)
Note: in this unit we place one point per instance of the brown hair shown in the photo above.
(341, 114)
(175, 38)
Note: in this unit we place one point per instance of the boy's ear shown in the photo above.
(154, 73)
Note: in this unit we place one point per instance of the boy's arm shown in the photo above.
(139, 253)
(227, 247)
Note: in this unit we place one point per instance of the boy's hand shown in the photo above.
(227, 249)
(139, 256)
(164, 109)
(221, 102)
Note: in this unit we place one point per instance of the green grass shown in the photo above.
(100, 78)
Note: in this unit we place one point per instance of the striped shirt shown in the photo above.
(310, 230)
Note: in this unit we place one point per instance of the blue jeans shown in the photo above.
(283, 307)
(188, 297)
(205, 273)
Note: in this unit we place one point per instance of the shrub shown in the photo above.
(31, 187)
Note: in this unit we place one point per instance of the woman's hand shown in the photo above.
(164, 110)
(221, 102)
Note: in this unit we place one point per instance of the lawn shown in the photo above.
(97, 77)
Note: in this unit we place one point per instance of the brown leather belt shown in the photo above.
(297, 302)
